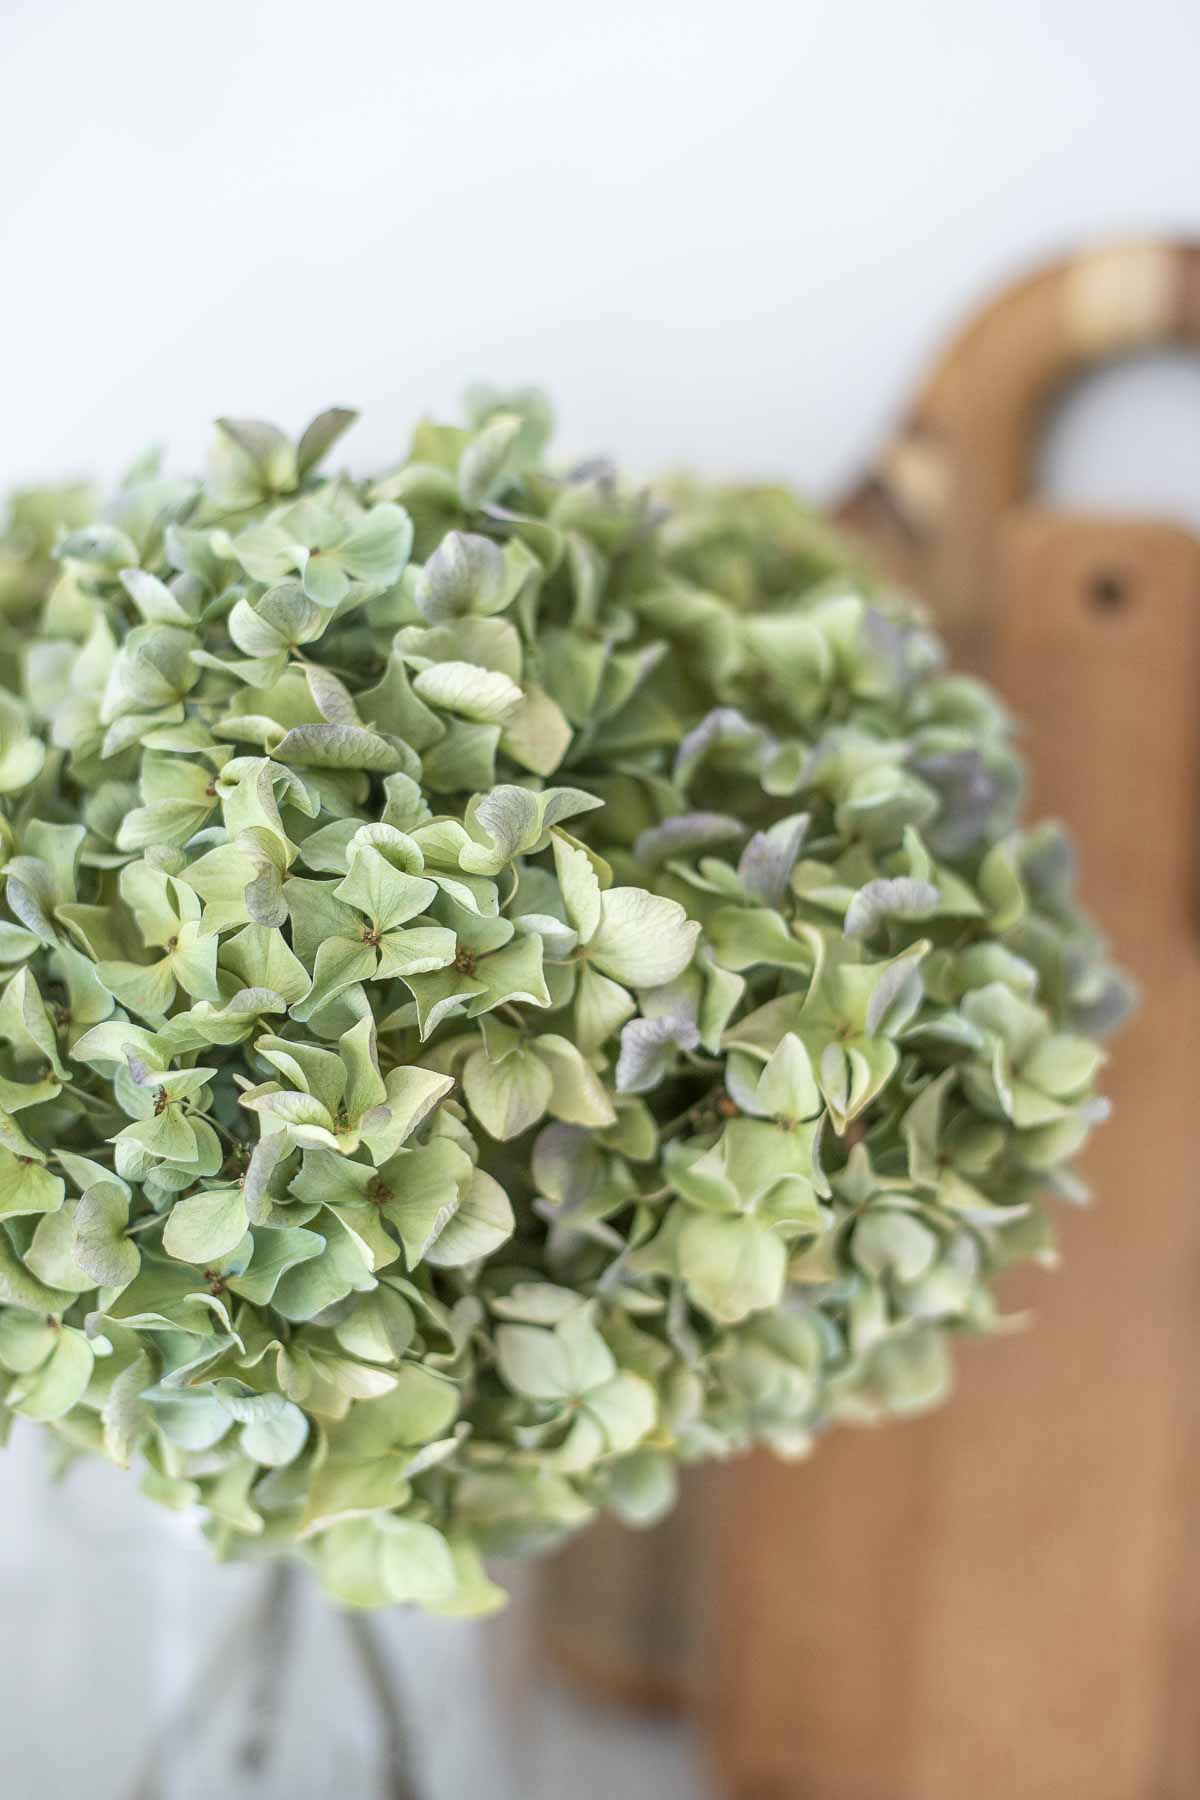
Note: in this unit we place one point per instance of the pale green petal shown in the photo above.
(53, 1389)
(732, 1267)
(479, 1224)
(206, 1226)
(507, 1097)
(482, 695)
(642, 940)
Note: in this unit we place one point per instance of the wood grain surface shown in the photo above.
(1001, 1599)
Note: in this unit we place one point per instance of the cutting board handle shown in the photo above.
(966, 452)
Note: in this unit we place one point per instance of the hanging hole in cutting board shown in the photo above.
(1108, 591)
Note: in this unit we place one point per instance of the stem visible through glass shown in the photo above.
(259, 1646)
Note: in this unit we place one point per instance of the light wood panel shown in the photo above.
(992, 1601)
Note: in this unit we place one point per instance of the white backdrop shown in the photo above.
(724, 234)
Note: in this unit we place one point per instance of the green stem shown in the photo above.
(92, 1100)
(235, 1143)
(679, 1123)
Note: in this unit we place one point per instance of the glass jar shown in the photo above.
(139, 1669)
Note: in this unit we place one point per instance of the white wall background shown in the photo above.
(729, 234)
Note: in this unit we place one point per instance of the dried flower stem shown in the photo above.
(399, 1770)
(276, 1635)
(260, 1645)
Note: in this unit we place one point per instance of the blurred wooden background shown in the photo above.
(1004, 1598)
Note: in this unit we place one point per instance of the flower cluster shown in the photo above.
(510, 983)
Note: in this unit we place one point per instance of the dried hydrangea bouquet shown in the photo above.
(512, 984)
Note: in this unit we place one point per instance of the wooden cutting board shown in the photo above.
(1001, 1601)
